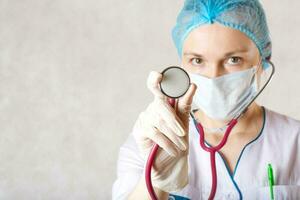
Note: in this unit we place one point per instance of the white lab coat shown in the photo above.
(278, 143)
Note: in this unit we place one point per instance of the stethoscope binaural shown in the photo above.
(175, 84)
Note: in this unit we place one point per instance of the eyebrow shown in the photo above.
(226, 54)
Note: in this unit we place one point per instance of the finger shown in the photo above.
(187, 98)
(167, 113)
(144, 134)
(185, 104)
(153, 81)
(172, 136)
(159, 138)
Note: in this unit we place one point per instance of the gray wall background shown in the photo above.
(73, 81)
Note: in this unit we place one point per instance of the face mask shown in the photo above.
(224, 97)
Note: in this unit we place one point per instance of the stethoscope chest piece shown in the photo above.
(175, 82)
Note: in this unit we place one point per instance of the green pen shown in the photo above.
(271, 180)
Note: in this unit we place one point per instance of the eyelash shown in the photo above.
(191, 60)
(235, 57)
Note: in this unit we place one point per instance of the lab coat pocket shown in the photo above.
(286, 192)
(281, 192)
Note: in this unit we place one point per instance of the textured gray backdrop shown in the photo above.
(72, 83)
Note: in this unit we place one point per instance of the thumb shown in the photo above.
(185, 104)
(153, 81)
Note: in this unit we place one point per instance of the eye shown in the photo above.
(234, 60)
(196, 61)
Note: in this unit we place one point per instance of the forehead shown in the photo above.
(217, 38)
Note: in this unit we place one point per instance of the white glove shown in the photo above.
(160, 124)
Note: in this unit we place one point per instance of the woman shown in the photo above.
(222, 44)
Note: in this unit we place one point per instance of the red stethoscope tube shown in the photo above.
(211, 150)
(150, 162)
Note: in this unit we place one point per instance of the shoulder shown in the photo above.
(281, 123)
(277, 118)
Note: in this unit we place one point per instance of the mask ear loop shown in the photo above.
(258, 66)
(255, 73)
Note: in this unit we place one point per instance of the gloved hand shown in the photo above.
(160, 124)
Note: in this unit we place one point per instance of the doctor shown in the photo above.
(222, 44)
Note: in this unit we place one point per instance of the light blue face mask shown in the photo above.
(225, 97)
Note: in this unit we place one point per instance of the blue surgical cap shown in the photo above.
(247, 16)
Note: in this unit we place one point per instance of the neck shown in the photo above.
(245, 122)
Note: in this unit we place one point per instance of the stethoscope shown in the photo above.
(174, 84)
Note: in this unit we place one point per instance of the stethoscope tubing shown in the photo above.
(151, 158)
(211, 150)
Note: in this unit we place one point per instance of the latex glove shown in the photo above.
(160, 124)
